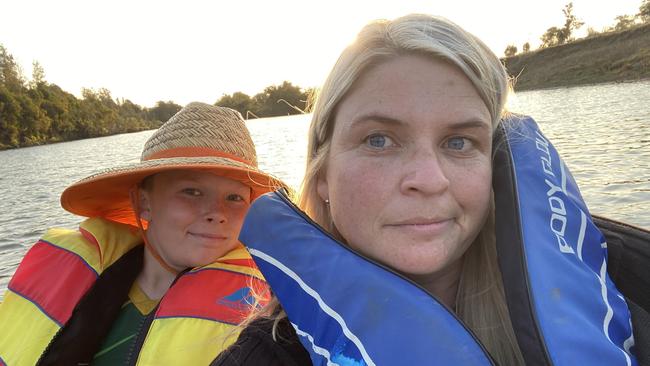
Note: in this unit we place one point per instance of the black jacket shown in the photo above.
(256, 347)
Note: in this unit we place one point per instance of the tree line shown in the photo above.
(275, 100)
(555, 36)
(37, 112)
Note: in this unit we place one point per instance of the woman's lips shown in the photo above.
(422, 226)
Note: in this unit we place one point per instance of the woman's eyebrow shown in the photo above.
(376, 118)
(470, 124)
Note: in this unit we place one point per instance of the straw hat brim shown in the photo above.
(106, 194)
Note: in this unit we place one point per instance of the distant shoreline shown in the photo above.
(616, 57)
(605, 58)
(555, 87)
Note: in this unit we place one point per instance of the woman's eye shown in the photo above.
(192, 192)
(379, 141)
(458, 143)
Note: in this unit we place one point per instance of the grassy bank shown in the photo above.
(610, 57)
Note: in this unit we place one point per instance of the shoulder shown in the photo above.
(256, 346)
(110, 238)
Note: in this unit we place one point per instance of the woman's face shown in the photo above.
(409, 173)
(194, 217)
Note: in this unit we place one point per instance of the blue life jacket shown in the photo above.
(350, 310)
(564, 307)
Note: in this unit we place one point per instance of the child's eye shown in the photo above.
(379, 141)
(235, 197)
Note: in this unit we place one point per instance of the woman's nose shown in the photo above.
(424, 174)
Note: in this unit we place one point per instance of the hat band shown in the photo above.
(191, 152)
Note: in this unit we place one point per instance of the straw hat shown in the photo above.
(199, 137)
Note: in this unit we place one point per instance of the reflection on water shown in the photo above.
(602, 133)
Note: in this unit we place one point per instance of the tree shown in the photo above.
(163, 111)
(644, 11)
(132, 117)
(9, 119)
(526, 47)
(551, 37)
(279, 100)
(510, 51)
(623, 22)
(239, 101)
(38, 74)
(571, 23)
(58, 106)
(11, 75)
(556, 36)
(34, 124)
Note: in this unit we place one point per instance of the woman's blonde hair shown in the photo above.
(480, 300)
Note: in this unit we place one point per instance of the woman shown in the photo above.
(400, 152)
(95, 296)
(399, 170)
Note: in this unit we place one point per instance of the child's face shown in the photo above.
(194, 217)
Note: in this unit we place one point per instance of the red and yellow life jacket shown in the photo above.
(194, 321)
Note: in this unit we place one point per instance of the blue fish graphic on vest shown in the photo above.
(240, 299)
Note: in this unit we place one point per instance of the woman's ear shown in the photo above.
(322, 187)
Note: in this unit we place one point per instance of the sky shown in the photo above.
(191, 50)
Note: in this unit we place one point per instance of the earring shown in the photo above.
(327, 201)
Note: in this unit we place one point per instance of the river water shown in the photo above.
(602, 132)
